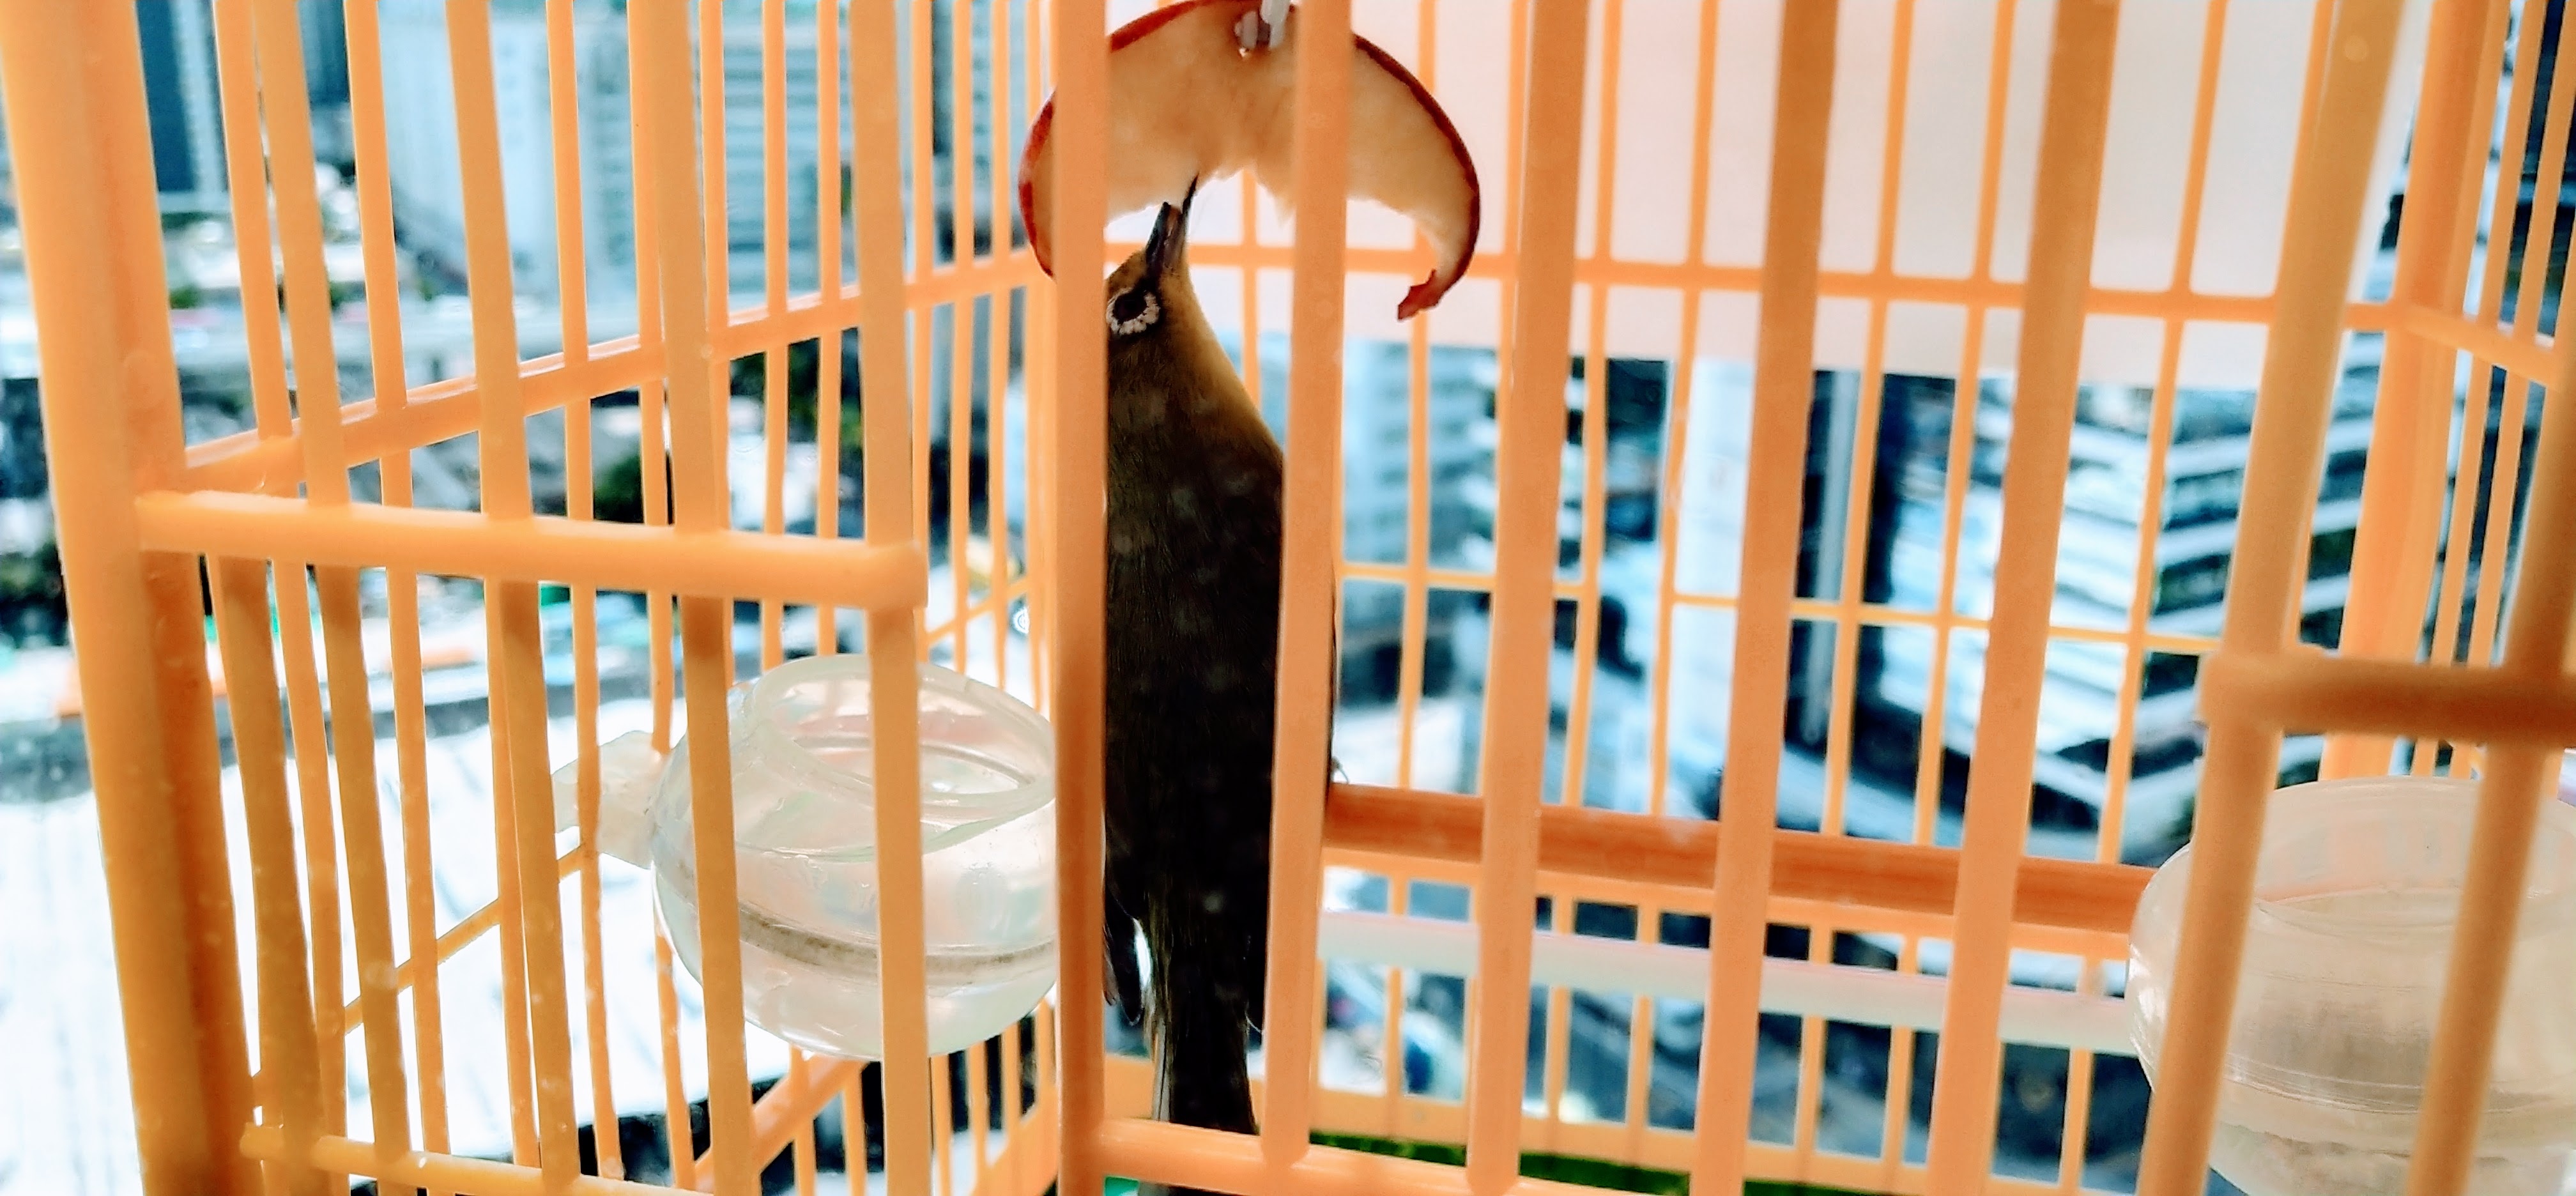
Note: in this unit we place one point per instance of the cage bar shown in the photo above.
(1779, 224)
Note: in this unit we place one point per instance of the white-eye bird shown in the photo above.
(1192, 639)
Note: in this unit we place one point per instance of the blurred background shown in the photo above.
(1664, 492)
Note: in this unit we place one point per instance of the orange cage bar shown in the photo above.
(1796, 212)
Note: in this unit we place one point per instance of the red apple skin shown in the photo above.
(1044, 122)
(1038, 130)
(1427, 292)
(1421, 297)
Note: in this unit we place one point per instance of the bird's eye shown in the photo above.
(1132, 312)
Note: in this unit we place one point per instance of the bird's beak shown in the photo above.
(1171, 234)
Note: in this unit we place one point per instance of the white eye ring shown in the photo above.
(1144, 319)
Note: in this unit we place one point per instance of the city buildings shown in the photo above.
(180, 88)
(2185, 541)
(421, 144)
(421, 136)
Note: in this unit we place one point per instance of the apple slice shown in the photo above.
(1186, 104)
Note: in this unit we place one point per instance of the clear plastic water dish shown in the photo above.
(2355, 898)
(806, 862)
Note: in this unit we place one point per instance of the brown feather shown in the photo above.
(1192, 654)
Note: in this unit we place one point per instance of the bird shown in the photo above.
(1191, 641)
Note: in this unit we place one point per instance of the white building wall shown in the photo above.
(427, 181)
(1709, 559)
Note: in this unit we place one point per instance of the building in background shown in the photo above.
(2192, 540)
(420, 128)
(2189, 544)
(181, 81)
(1377, 419)
(180, 90)
(424, 167)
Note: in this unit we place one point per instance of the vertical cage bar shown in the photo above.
(1963, 441)
(717, 249)
(237, 79)
(2539, 238)
(1596, 434)
(2076, 1126)
(291, 604)
(400, 588)
(75, 100)
(180, 695)
(1391, 1070)
(1641, 1048)
(292, 1092)
(921, 212)
(1416, 616)
(2071, 147)
(1308, 585)
(829, 222)
(585, 647)
(572, 284)
(2320, 25)
(648, 282)
(2392, 555)
(1010, 1080)
(2541, 235)
(854, 1132)
(246, 158)
(1783, 390)
(943, 1160)
(1049, 1028)
(961, 448)
(516, 651)
(384, 333)
(778, 352)
(892, 643)
(1005, 585)
(2160, 422)
(800, 1144)
(571, 276)
(2327, 191)
(1530, 414)
(2495, 541)
(507, 898)
(2471, 472)
(1251, 281)
(1077, 422)
(2509, 804)
(661, 45)
(679, 1139)
(1039, 400)
(1852, 570)
(961, 138)
(978, 1112)
(773, 170)
(586, 780)
(326, 483)
(1808, 1103)
(1553, 1051)
(1898, 1123)
(1668, 505)
(353, 733)
(289, 140)
(652, 405)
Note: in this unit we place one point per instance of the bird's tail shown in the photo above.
(1201, 1079)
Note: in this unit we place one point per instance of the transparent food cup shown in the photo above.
(2356, 895)
(806, 863)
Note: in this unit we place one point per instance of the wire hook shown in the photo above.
(1261, 28)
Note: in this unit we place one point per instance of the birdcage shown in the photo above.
(1853, 671)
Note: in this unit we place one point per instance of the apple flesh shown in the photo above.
(1187, 104)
